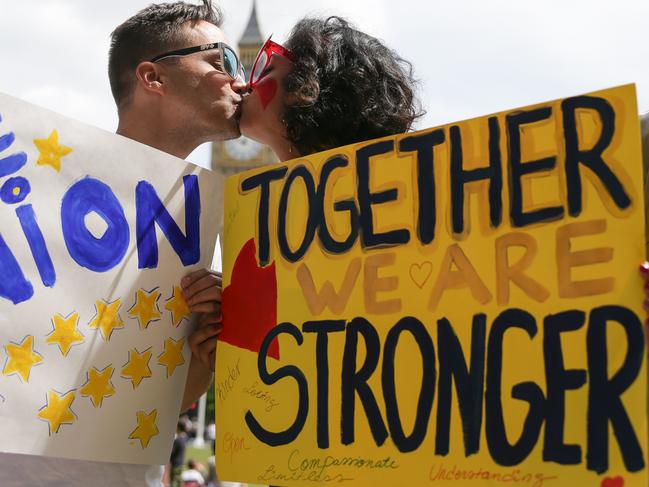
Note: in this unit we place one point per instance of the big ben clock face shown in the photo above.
(242, 148)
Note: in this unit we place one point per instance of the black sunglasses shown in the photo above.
(229, 60)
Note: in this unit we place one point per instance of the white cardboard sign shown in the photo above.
(96, 231)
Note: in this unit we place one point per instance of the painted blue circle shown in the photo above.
(14, 190)
(97, 254)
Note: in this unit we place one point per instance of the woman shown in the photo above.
(329, 86)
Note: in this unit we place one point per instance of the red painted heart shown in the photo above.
(267, 90)
(613, 482)
(249, 303)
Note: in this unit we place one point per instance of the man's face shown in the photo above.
(200, 93)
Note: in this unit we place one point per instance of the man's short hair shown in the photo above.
(152, 31)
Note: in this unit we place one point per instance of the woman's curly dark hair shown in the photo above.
(345, 87)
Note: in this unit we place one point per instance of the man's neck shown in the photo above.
(157, 135)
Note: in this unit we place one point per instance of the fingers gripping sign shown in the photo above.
(202, 291)
(202, 341)
(644, 272)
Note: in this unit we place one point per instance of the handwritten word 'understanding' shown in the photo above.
(360, 208)
(100, 254)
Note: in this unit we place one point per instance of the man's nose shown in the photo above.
(239, 85)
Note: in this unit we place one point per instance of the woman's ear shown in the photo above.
(148, 77)
(290, 98)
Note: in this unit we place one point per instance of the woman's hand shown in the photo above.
(203, 341)
(644, 272)
(202, 291)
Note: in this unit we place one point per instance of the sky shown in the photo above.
(471, 57)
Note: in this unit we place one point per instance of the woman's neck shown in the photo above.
(284, 150)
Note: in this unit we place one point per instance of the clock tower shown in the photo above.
(233, 156)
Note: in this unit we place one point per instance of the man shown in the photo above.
(168, 74)
(177, 459)
(174, 101)
(192, 477)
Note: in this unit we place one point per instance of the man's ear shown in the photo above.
(148, 77)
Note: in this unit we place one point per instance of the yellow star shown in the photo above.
(145, 309)
(137, 367)
(21, 358)
(57, 410)
(107, 317)
(172, 355)
(51, 151)
(65, 332)
(98, 386)
(146, 427)
(178, 306)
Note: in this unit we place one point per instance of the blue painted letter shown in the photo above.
(97, 254)
(14, 190)
(13, 162)
(37, 244)
(13, 285)
(150, 210)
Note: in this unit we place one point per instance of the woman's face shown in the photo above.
(262, 109)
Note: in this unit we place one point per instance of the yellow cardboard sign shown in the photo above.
(455, 306)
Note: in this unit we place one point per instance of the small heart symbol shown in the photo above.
(613, 482)
(419, 273)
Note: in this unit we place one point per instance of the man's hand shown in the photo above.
(202, 291)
